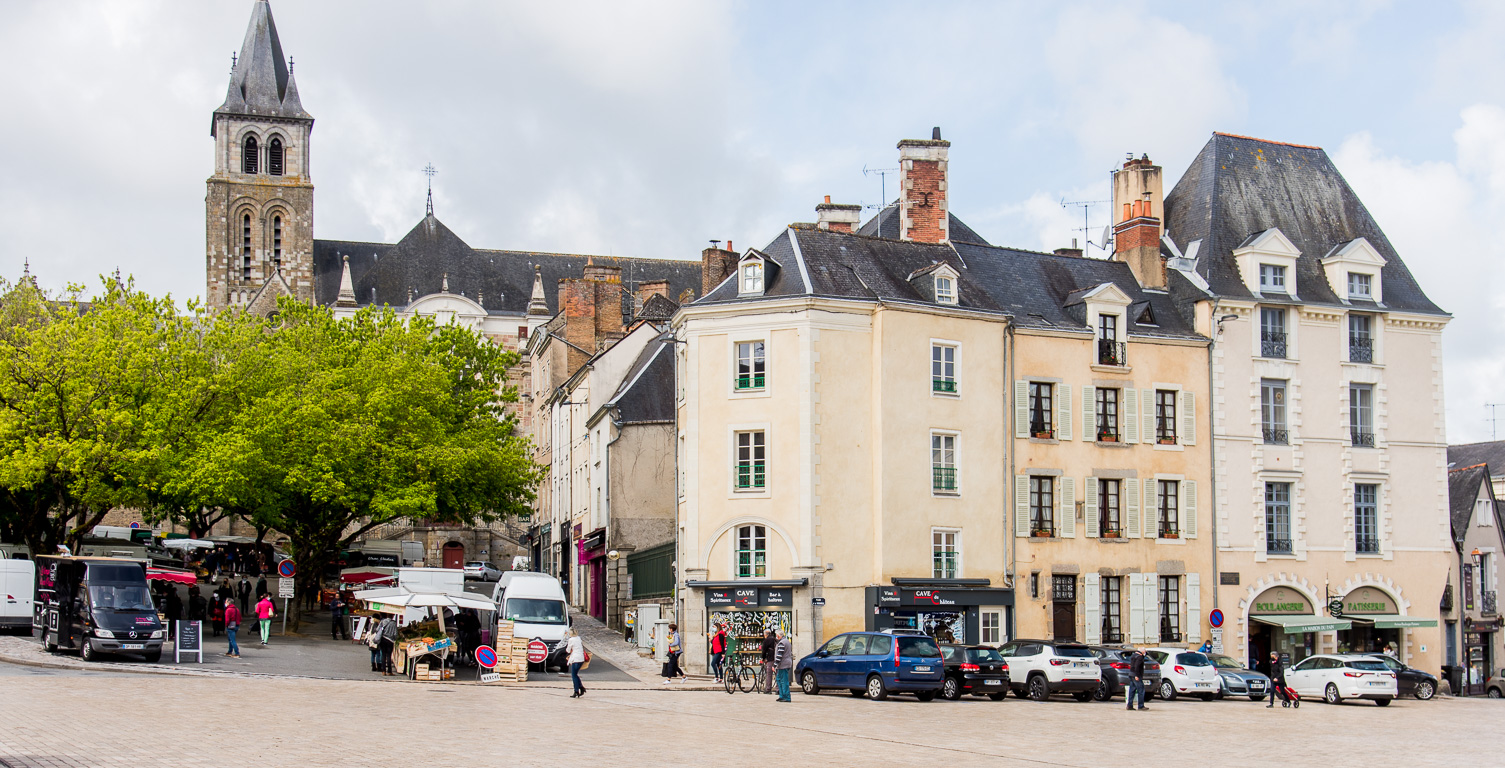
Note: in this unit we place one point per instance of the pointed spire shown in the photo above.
(347, 286)
(538, 304)
(261, 82)
(428, 170)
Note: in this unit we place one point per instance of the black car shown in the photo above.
(1117, 672)
(975, 669)
(1409, 681)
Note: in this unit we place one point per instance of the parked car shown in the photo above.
(481, 571)
(1038, 668)
(1409, 681)
(1494, 688)
(874, 664)
(1239, 680)
(1183, 671)
(975, 669)
(1114, 665)
(1340, 677)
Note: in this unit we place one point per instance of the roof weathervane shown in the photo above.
(428, 170)
(289, 65)
(233, 56)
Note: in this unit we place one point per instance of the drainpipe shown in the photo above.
(1212, 453)
(1010, 546)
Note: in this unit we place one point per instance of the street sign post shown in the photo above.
(537, 652)
(285, 591)
(287, 569)
(486, 656)
(1215, 618)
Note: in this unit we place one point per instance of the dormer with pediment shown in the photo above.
(1353, 271)
(1267, 261)
(449, 309)
(1107, 310)
(755, 270)
(939, 282)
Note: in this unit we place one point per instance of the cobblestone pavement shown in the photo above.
(66, 718)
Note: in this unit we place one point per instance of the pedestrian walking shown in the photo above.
(575, 647)
(783, 662)
(337, 629)
(718, 650)
(264, 612)
(373, 641)
(245, 594)
(232, 625)
(261, 587)
(765, 675)
(217, 614)
(1136, 680)
(388, 644)
(1278, 682)
(671, 667)
(172, 608)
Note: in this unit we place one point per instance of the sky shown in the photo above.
(649, 128)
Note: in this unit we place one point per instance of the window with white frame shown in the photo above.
(1272, 332)
(752, 466)
(945, 553)
(1165, 416)
(1366, 524)
(751, 366)
(1170, 609)
(1272, 277)
(1359, 285)
(1041, 410)
(752, 552)
(943, 368)
(1272, 406)
(1112, 601)
(1042, 502)
(945, 289)
(1108, 508)
(943, 463)
(752, 277)
(1361, 414)
(1168, 502)
(991, 626)
(1278, 518)
(1107, 415)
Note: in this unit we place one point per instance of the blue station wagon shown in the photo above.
(874, 664)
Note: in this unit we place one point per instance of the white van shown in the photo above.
(17, 582)
(535, 603)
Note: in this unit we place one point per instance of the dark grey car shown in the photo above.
(1116, 672)
(1239, 680)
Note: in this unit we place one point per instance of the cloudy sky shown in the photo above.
(648, 128)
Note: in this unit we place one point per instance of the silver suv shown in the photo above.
(1038, 668)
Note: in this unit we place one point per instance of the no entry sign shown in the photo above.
(287, 569)
(537, 651)
(486, 657)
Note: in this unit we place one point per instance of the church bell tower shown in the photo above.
(259, 210)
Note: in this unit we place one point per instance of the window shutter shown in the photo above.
(1021, 505)
(1066, 514)
(1136, 608)
(1021, 409)
(1093, 602)
(1147, 415)
(1063, 411)
(1089, 493)
(1130, 499)
(1188, 418)
(1189, 509)
(1151, 522)
(1149, 589)
(1194, 608)
(1129, 405)
(1089, 413)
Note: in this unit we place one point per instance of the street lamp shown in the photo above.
(1478, 558)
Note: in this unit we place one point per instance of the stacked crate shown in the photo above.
(511, 654)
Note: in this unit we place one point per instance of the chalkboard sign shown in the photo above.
(190, 640)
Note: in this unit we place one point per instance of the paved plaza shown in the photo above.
(54, 717)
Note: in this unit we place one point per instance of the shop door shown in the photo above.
(1476, 668)
(1063, 614)
(598, 588)
(454, 555)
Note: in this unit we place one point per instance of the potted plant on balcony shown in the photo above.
(1109, 534)
(1042, 533)
(1165, 441)
(1106, 436)
(1044, 434)
(1170, 535)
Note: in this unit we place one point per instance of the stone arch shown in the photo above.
(1279, 579)
(737, 522)
(1383, 584)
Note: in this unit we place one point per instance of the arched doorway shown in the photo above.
(1284, 619)
(454, 554)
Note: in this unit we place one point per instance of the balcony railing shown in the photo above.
(1107, 433)
(1277, 436)
(944, 479)
(1367, 545)
(943, 565)
(1272, 344)
(1108, 529)
(1362, 438)
(750, 381)
(943, 385)
(1111, 352)
(1168, 633)
(1360, 349)
(1169, 530)
(1487, 604)
(750, 475)
(1110, 636)
(1277, 546)
(1043, 529)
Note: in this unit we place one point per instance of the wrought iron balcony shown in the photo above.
(943, 385)
(1487, 604)
(1360, 349)
(1276, 436)
(753, 381)
(1111, 352)
(1362, 438)
(1276, 546)
(1367, 545)
(944, 479)
(1272, 344)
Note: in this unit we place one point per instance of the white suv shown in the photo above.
(1339, 677)
(1038, 668)
(1183, 671)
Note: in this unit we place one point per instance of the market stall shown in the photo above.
(156, 573)
(425, 647)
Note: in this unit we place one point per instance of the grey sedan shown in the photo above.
(1239, 680)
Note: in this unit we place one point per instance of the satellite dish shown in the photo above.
(1107, 238)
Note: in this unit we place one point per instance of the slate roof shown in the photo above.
(1035, 289)
(1238, 187)
(501, 280)
(886, 225)
(1469, 454)
(647, 392)
(1463, 490)
(262, 84)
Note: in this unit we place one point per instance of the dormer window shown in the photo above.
(752, 277)
(1359, 285)
(1272, 277)
(945, 289)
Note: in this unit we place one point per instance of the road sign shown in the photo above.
(285, 587)
(537, 652)
(486, 657)
(287, 569)
(817, 601)
(134, 526)
(1215, 618)
(1217, 640)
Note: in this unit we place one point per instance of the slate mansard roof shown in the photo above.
(1238, 187)
(1469, 454)
(886, 225)
(647, 392)
(262, 83)
(1463, 490)
(429, 254)
(1036, 290)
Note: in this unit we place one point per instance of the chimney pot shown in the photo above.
(935, 133)
(729, 246)
(828, 198)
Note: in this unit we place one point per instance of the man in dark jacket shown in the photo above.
(245, 593)
(770, 644)
(1278, 682)
(1136, 680)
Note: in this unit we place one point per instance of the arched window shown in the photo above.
(248, 156)
(245, 246)
(276, 234)
(274, 157)
(752, 552)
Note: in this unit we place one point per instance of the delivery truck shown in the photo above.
(96, 606)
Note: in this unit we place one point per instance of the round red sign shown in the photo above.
(537, 651)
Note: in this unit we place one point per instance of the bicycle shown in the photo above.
(746, 678)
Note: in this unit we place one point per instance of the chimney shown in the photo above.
(651, 287)
(922, 189)
(592, 307)
(716, 264)
(837, 217)
(1138, 209)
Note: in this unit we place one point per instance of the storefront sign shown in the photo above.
(1367, 600)
(776, 597)
(888, 595)
(593, 541)
(718, 598)
(1281, 600)
(745, 598)
(750, 597)
(931, 597)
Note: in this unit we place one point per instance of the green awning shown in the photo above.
(1306, 623)
(1394, 621)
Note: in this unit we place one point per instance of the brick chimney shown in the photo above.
(651, 287)
(716, 264)
(1139, 215)
(922, 189)
(838, 217)
(592, 306)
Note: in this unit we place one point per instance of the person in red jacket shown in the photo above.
(232, 624)
(264, 612)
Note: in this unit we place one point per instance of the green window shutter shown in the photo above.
(1063, 411)
(1188, 418)
(1021, 505)
(1089, 413)
(1189, 509)
(1089, 493)
(1066, 517)
(1093, 602)
(1129, 498)
(1021, 409)
(1193, 608)
(1147, 414)
(1130, 405)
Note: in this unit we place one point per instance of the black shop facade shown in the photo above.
(969, 611)
(748, 610)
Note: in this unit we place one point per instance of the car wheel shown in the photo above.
(1039, 690)
(996, 696)
(1103, 692)
(1383, 702)
(1219, 696)
(1425, 690)
(808, 683)
(1083, 695)
(925, 695)
(1330, 694)
(87, 652)
(951, 689)
(1256, 698)
(1210, 696)
(876, 690)
(1021, 692)
(1493, 693)
(1167, 690)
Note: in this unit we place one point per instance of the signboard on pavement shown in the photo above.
(190, 640)
(537, 652)
(490, 677)
(284, 587)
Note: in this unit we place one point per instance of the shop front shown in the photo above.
(968, 611)
(1478, 658)
(747, 612)
(1377, 623)
(1283, 620)
(591, 554)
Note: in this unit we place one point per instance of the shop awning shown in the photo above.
(168, 574)
(1308, 623)
(1394, 621)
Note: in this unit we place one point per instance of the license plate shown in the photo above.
(1202, 685)
(993, 682)
(132, 646)
(1257, 686)
(1079, 664)
(922, 669)
(1378, 682)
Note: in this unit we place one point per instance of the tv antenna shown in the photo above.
(1086, 206)
(1494, 419)
(882, 174)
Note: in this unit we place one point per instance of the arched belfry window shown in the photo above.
(276, 234)
(245, 246)
(274, 157)
(248, 156)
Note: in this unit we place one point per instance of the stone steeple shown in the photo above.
(262, 83)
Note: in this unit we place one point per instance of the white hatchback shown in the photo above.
(1185, 672)
(1340, 677)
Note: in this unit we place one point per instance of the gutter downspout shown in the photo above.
(1010, 545)
(1212, 452)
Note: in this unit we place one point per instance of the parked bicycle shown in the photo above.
(747, 678)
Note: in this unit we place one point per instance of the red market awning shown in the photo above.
(365, 577)
(167, 574)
